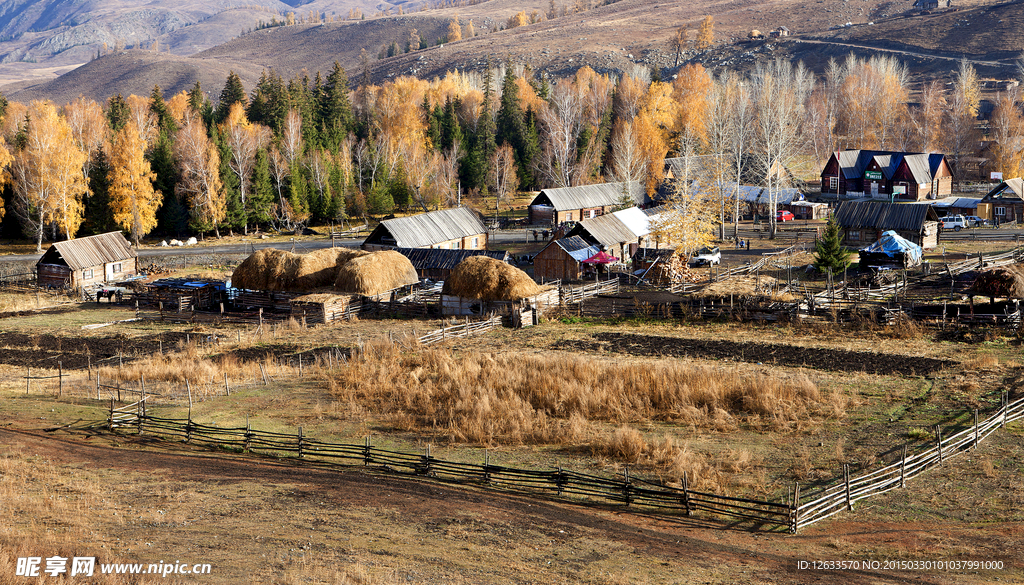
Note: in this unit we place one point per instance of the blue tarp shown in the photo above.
(891, 244)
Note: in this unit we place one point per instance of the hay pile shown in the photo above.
(1005, 282)
(375, 273)
(487, 279)
(278, 270)
(673, 270)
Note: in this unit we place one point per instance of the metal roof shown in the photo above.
(612, 229)
(756, 194)
(587, 196)
(578, 248)
(962, 202)
(883, 215)
(1013, 186)
(427, 229)
(922, 166)
(700, 165)
(90, 251)
(441, 259)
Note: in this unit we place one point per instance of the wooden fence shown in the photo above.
(981, 235)
(461, 330)
(571, 295)
(624, 490)
(842, 494)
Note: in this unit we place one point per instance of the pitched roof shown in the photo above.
(612, 229)
(441, 259)
(755, 194)
(883, 215)
(91, 251)
(922, 166)
(587, 196)
(700, 166)
(427, 229)
(578, 248)
(1014, 186)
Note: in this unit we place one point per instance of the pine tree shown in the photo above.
(118, 112)
(333, 109)
(829, 253)
(232, 93)
(98, 217)
(172, 217)
(164, 119)
(261, 197)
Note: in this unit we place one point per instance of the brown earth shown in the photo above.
(775, 354)
(504, 537)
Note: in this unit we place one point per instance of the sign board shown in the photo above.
(899, 189)
(996, 176)
(875, 175)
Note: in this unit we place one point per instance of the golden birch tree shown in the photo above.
(133, 201)
(454, 30)
(705, 34)
(503, 176)
(198, 163)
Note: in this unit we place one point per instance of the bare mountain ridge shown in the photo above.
(610, 38)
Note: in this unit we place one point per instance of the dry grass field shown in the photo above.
(725, 402)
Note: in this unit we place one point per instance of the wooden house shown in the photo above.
(1005, 203)
(438, 263)
(863, 222)
(561, 259)
(556, 206)
(87, 261)
(897, 176)
(619, 233)
(448, 229)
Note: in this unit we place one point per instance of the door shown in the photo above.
(874, 189)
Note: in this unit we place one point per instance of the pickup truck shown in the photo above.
(709, 255)
(954, 222)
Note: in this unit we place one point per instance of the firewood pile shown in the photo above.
(155, 270)
(674, 270)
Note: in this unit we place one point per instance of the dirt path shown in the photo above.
(715, 550)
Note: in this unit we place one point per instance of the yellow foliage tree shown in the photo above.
(133, 201)
(1008, 133)
(692, 92)
(705, 34)
(454, 30)
(518, 19)
(198, 163)
(47, 175)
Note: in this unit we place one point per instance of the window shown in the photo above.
(476, 242)
(87, 274)
(833, 184)
(568, 216)
(115, 268)
(456, 245)
(1001, 211)
(853, 235)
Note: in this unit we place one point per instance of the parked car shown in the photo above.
(705, 256)
(975, 221)
(954, 222)
(783, 215)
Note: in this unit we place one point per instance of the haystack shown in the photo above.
(278, 270)
(376, 273)
(488, 279)
(1005, 281)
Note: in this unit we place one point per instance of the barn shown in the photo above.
(556, 206)
(86, 261)
(619, 233)
(864, 222)
(438, 263)
(882, 174)
(459, 228)
(560, 259)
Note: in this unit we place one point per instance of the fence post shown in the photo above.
(97, 383)
(626, 486)
(686, 494)
(1006, 402)
(938, 440)
(846, 477)
(300, 365)
(227, 391)
(110, 420)
(903, 468)
(975, 429)
(795, 525)
(248, 433)
(28, 379)
(366, 450)
(300, 442)
(60, 379)
(264, 372)
(487, 466)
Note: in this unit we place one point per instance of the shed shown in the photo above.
(809, 210)
(438, 263)
(85, 261)
(891, 250)
(184, 294)
(1004, 203)
(556, 206)
(863, 222)
(560, 259)
(459, 228)
(620, 233)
